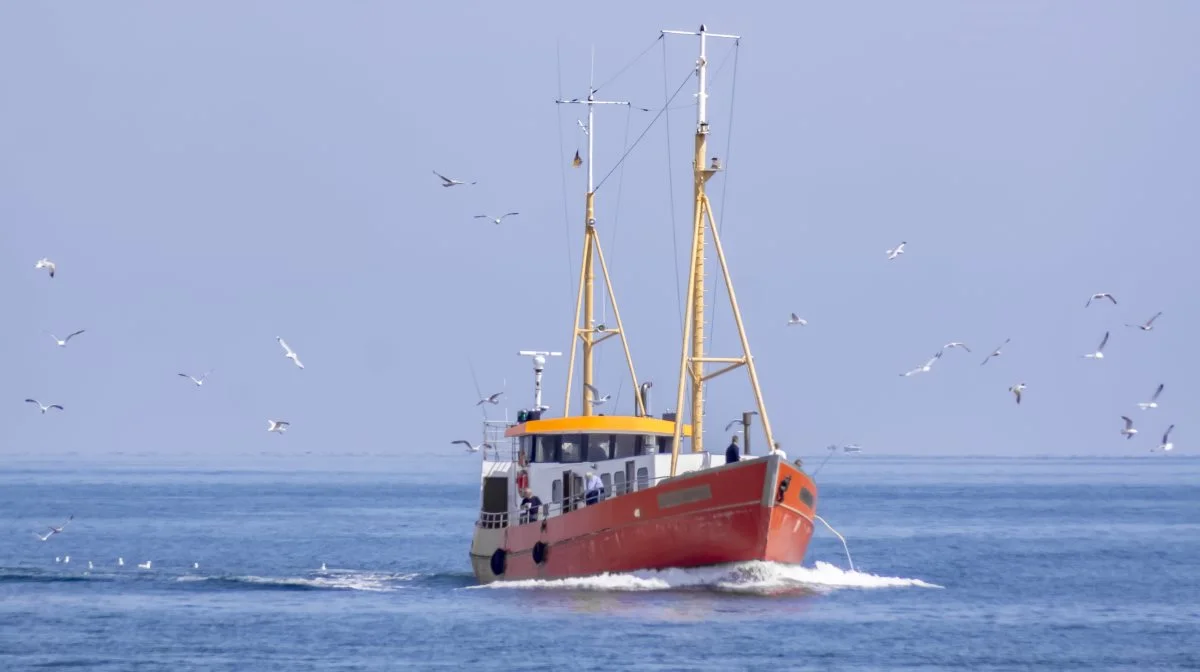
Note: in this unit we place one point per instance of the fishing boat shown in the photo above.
(618, 493)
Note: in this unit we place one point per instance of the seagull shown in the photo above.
(892, 254)
(323, 567)
(1099, 353)
(1149, 323)
(796, 319)
(120, 562)
(66, 559)
(582, 126)
(90, 565)
(58, 558)
(1153, 403)
(289, 353)
(40, 537)
(471, 448)
(144, 565)
(277, 426)
(596, 393)
(924, 368)
(499, 219)
(195, 565)
(44, 408)
(851, 449)
(58, 530)
(492, 399)
(1099, 297)
(198, 381)
(450, 182)
(1129, 431)
(955, 344)
(732, 423)
(46, 264)
(1017, 390)
(1166, 445)
(63, 342)
(996, 352)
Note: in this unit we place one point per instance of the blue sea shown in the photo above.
(980, 564)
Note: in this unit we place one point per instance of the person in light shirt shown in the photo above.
(594, 488)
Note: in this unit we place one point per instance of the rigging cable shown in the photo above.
(612, 242)
(725, 180)
(563, 168)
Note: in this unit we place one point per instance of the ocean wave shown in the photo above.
(37, 576)
(748, 577)
(378, 582)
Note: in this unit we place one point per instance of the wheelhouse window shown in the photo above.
(570, 448)
(527, 449)
(599, 447)
(546, 449)
(625, 445)
(665, 443)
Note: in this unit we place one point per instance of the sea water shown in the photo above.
(982, 564)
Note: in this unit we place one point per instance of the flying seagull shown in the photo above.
(63, 343)
(491, 399)
(1153, 403)
(46, 264)
(1149, 323)
(996, 352)
(43, 408)
(49, 534)
(1129, 431)
(1017, 390)
(1099, 353)
(852, 448)
(471, 448)
(955, 344)
(1166, 444)
(892, 254)
(582, 126)
(499, 219)
(732, 423)
(450, 182)
(277, 426)
(1100, 297)
(796, 319)
(198, 381)
(924, 368)
(597, 399)
(289, 353)
(55, 530)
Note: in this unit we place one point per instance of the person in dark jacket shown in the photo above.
(733, 453)
(531, 507)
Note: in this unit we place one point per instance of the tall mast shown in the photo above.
(692, 357)
(585, 334)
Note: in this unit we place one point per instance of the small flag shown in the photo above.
(577, 162)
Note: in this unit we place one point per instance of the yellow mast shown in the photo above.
(692, 357)
(585, 333)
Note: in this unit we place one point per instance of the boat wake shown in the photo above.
(377, 582)
(764, 578)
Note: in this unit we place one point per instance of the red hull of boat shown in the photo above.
(733, 513)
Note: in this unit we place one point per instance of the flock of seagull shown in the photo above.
(1128, 431)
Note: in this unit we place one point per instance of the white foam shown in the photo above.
(333, 580)
(746, 577)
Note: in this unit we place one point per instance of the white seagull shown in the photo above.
(90, 565)
(144, 565)
(450, 182)
(43, 408)
(582, 126)
(55, 530)
(63, 343)
(796, 319)
(40, 537)
(1129, 431)
(924, 368)
(198, 381)
(46, 264)
(597, 400)
(497, 220)
(996, 352)
(1017, 390)
(1099, 297)
(1166, 444)
(289, 353)
(277, 426)
(892, 254)
(491, 399)
(120, 562)
(471, 448)
(955, 344)
(1099, 353)
(1148, 325)
(1153, 403)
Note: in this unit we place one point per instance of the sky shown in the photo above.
(209, 176)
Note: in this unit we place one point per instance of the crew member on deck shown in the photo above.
(531, 507)
(594, 487)
(779, 451)
(733, 453)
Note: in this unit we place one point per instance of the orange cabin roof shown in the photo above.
(597, 424)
